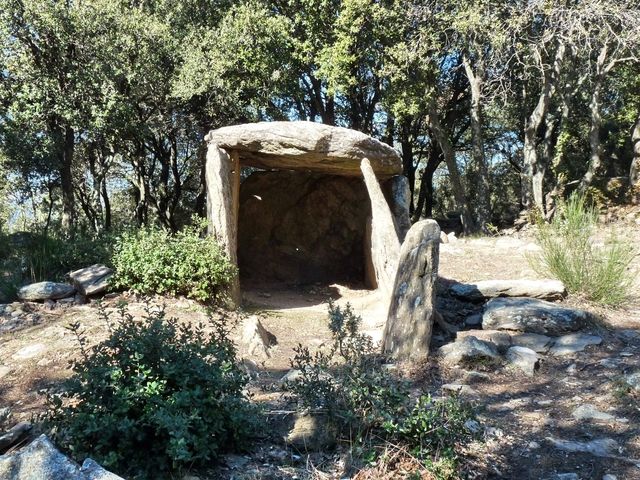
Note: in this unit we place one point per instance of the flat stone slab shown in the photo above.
(45, 291)
(573, 343)
(536, 342)
(590, 412)
(501, 340)
(601, 447)
(531, 315)
(546, 289)
(306, 146)
(92, 280)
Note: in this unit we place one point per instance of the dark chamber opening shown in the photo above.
(301, 228)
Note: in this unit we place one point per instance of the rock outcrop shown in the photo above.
(41, 460)
(531, 316)
(91, 280)
(45, 291)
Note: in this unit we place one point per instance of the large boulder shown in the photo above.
(407, 333)
(45, 291)
(469, 350)
(92, 280)
(532, 316)
(42, 461)
(545, 289)
(306, 146)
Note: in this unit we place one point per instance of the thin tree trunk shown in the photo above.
(634, 172)
(595, 108)
(482, 190)
(454, 173)
(66, 181)
(534, 172)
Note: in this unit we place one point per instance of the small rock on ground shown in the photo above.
(601, 447)
(590, 412)
(573, 343)
(524, 358)
(469, 349)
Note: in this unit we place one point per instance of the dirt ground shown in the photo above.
(520, 415)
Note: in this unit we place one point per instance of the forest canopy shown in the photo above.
(497, 107)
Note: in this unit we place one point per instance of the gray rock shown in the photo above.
(469, 350)
(40, 460)
(536, 342)
(409, 325)
(15, 434)
(546, 289)
(524, 358)
(573, 343)
(459, 389)
(30, 351)
(444, 238)
(312, 433)
(609, 476)
(291, 376)
(601, 447)
(256, 340)
(590, 412)
(566, 476)
(92, 280)
(633, 380)
(473, 320)
(531, 316)
(473, 426)
(45, 291)
(501, 340)
(306, 146)
(5, 413)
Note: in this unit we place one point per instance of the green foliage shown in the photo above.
(30, 257)
(156, 396)
(352, 386)
(570, 253)
(155, 261)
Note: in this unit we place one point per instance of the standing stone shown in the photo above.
(223, 188)
(385, 246)
(407, 333)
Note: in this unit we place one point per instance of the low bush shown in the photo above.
(368, 403)
(569, 253)
(151, 261)
(155, 397)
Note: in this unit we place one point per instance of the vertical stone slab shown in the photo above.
(399, 197)
(222, 176)
(385, 246)
(407, 333)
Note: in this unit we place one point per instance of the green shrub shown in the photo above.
(153, 261)
(368, 402)
(154, 397)
(601, 274)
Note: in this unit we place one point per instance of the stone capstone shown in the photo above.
(300, 227)
(92, 280)
(45, 291)
(545, 289)
(306, 146)
(531, 316)
(407, 333)
(41, 460)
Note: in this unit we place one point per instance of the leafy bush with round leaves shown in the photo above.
(156, 396)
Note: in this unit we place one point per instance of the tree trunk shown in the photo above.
(482, 197)
(533, 187)
(66, 181)
(595, 108)
(634, 172)
(449, 156)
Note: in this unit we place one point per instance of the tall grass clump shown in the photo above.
(569, 252)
